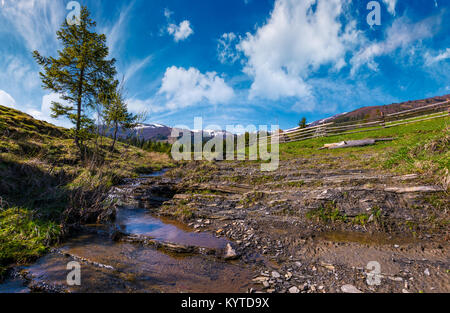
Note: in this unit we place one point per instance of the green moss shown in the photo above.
(362, 219)
(179, 211)
(24, 237)
(251, 198)
(327, 214)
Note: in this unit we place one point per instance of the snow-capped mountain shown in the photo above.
(211, 133)
(326, 120)
(159, 132)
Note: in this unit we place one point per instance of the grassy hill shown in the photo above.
(421, 147)
(374, 112)
(45, 187)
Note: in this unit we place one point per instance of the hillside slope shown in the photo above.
(374, 112)
(45, 187)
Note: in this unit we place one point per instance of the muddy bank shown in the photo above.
(306, 228)
(138, 252)
(318, 228)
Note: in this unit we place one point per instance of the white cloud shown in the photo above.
(17, 71)
(180, 32)
(45, 111)
(167, 13)
(401, 34)
(295, 41)
(26, 17)
(141, 106)
(391, 4)
(184, 88)
(226, 48)
(6, 100)
(429, 59)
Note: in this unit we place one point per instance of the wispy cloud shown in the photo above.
(226, 48)
(430, 59)
(391, 4)
(6, 99)
(116, 33)
(136, 67)
(35, 21)
(401, 34)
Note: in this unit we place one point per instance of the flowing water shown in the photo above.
(109, 266)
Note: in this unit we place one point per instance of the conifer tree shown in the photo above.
(77, 74)
(116, 113)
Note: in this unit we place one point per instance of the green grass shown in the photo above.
(181, 211)
(23, 237)
(418, 147)
(41, 170)
(327, 214)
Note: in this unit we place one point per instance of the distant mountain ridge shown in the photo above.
(159, 132)
(373, 112)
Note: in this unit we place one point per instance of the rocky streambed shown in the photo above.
(227, 227)
(138, 252)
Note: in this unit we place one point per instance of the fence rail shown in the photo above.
(424, 113)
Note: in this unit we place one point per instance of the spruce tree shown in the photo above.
(116, 114)
(77, 74)
(302, 123)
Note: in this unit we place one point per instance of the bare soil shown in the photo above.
(314, 225)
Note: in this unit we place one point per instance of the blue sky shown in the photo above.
(241, 61)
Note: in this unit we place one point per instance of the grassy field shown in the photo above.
(421, 147)
(42, 175)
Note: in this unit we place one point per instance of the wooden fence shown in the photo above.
(424, 113)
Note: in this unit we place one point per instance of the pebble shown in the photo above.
(396, 278)
(350, 289)
(427, 272)
(230, 253)
(294, 290)
(275, 274)
(260, 279)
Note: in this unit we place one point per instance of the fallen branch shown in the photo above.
(354, 143)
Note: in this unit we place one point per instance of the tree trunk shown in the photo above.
(115, 136)
(79, 102)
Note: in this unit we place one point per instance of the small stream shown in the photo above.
(109, 266)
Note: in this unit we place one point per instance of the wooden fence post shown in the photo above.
(383, 120)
